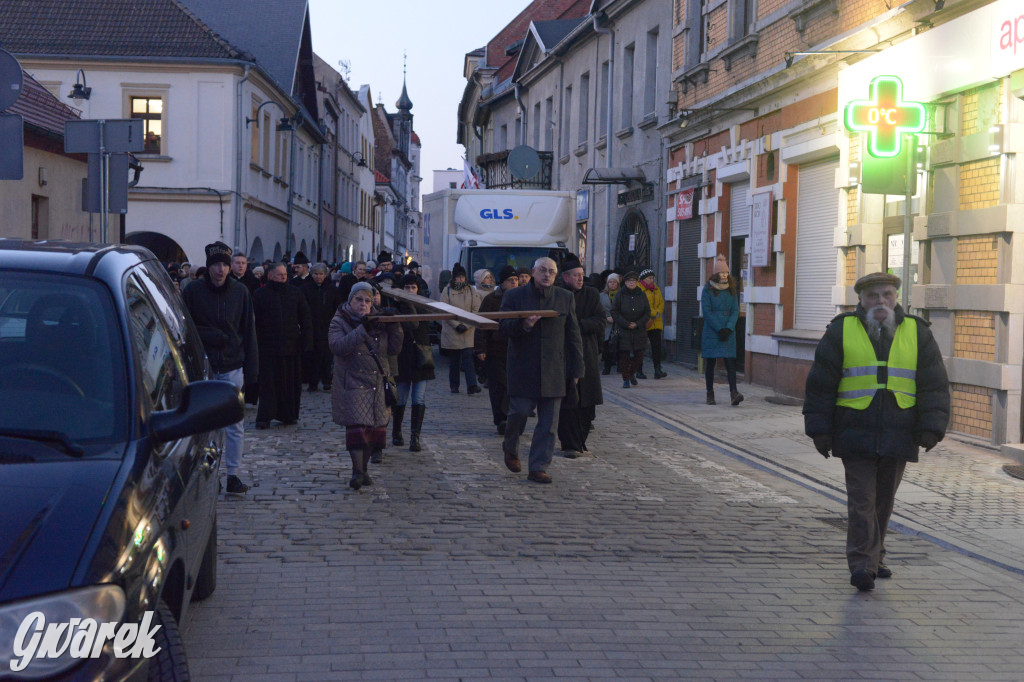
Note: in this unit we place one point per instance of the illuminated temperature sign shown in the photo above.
(885, 116)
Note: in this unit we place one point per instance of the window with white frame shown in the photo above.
(150, 109)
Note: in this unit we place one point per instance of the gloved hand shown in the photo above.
(823, 444)
(723, 333)
(461, 328)
(926, 439)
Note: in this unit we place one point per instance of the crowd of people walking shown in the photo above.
(877, 391)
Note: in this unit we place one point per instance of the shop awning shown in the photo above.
(614, 176)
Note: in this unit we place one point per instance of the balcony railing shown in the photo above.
(495, 173)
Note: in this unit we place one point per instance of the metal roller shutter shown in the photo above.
(817, 212)
(739, 210)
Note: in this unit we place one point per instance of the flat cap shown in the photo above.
(876, 278)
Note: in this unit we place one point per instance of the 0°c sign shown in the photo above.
(885, 116)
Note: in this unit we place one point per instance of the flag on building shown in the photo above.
(470, 179)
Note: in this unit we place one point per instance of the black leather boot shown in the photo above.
(397, 414)
(417, 425)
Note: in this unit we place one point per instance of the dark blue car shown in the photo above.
(110, 448)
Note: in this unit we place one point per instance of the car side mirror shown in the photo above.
(205, 406)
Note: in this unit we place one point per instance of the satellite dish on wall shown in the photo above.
(523, 162)
(10, 79)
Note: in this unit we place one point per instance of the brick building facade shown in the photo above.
(761, 90)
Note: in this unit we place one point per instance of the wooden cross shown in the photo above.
(445, 311)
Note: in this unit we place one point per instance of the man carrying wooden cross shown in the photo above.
(544, 353)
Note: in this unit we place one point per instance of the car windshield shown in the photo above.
(494, 258)
(61, 359)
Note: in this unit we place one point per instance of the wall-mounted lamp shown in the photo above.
(854, 179)
(685, 115)
(360, 161)
(80, 90)
(790, 55)
(285, 124)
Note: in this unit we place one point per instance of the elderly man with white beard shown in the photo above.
(877, 392)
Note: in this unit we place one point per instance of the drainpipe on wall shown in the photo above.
(239, 116)
(609, 136)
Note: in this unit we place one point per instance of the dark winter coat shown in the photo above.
(251, 282)
(591, 317)
(491, 341)
(224, 318)
(357, 390)
(413, 334)
(630, 305)
(541, 359)
(283, 323)
(721, 310)
(323, 301)
(883, 428)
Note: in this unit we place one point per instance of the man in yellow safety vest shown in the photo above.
(876, 393)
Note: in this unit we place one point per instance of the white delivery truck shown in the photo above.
(492, 228)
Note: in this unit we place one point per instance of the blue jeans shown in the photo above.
(463, 357)
(234, 435)
(418, 390)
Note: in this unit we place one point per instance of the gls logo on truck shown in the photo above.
(495, 214)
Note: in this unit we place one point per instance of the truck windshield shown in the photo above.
(494, 258)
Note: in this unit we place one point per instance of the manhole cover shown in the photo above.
(1015, 470)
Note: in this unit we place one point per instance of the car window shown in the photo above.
(155, 354)
(61, 357)
(184, 335)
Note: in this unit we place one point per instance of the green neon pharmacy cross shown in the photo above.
(885, 117)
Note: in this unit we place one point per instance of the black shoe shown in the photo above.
(641, 375)
(625, 383)
(862, 580)
(327, 388)
(235, 485)
(473, 389)
(606, 372)
(356, 482)
(634, 381)
(377, 457)
(570, 454)
(414, 443)
(397, 440)
(455, 390)
(658, 374)
(736, 397)
(367, 481)
(262, 425)
(883, 571)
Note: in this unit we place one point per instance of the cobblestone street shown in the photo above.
(665, 555)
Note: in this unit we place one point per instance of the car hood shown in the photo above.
(48, 513)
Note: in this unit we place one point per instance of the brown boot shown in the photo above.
(737, 397)
(711, 398)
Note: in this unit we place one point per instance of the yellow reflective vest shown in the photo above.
(860, 365)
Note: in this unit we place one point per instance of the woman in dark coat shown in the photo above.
(284, 331)
(720, 306)
(630, 310)
(360, 348)
(412, 378)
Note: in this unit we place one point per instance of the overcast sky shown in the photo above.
(436, 34)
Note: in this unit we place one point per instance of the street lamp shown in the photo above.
(285, 124)
(359, 159)
(80, 90)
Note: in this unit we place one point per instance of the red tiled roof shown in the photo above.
(41, 109)
(380, 178)
(538, 10)
(416, 139)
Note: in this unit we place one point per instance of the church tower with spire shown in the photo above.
(403, 118)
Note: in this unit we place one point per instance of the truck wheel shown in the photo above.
(170, 664)
(206, 580)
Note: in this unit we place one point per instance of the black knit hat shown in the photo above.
(458, 270)
(218, 252)
(383, 257)
(571, 262)
(506, 272)
(409, 279)
(523, 270)
(300, 259)
(646, 272)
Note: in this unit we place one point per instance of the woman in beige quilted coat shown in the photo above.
(357, 391)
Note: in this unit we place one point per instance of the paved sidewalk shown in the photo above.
(697, 543)
(957, 495)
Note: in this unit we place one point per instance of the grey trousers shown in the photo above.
(542, 447)
(871, 484)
